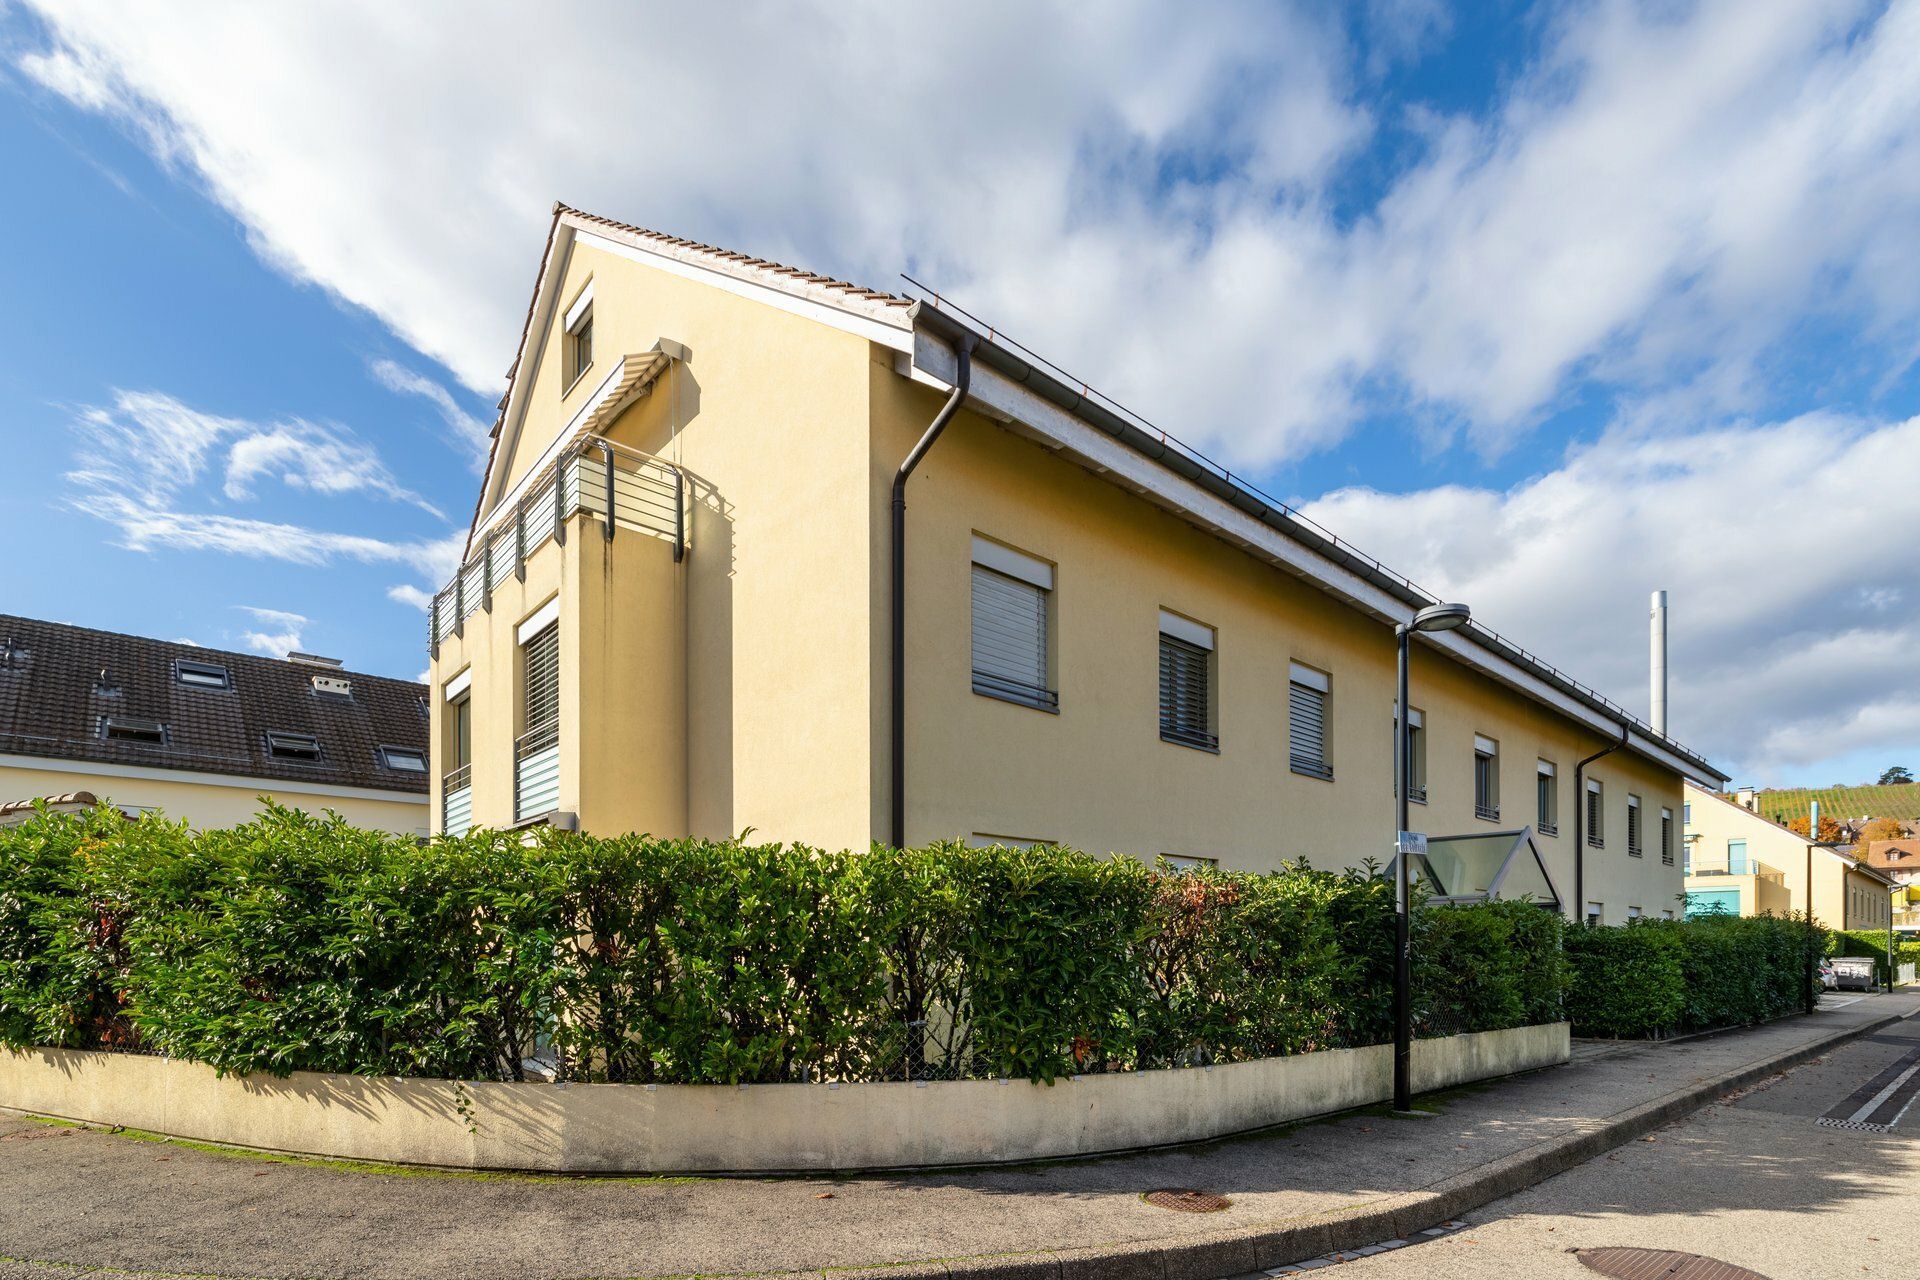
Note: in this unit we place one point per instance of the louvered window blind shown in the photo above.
(1010, 639)
(1307, 696)
(1596, 835)
(542, 656)
(1184, 693)
(1633, 827)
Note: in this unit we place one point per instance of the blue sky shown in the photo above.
(1547, 305)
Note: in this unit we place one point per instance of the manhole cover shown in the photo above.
(1186, 1200)
(1662, 1264)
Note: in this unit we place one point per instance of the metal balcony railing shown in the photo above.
(648, 495)
(536, 771)
(456, 801)
(1491, 812)
(1734, 867)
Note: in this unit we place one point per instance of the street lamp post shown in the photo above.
(1435, 617)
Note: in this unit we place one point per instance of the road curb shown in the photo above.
(1399, 1216)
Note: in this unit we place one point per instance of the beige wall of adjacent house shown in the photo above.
(206, 804)
(1844, 896)
(1097, 775)
(743, 697)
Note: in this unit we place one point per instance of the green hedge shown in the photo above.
(302, 943)
(1661, 977)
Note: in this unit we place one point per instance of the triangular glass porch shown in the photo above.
(1476, 868)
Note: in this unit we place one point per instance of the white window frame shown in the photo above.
(579, 316)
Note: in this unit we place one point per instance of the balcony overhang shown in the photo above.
(630, 380)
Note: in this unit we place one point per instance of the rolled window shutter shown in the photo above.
(1009, 637)
(1307, 729)
(543, 676)
(1183, 693)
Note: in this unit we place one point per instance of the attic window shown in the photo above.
(333, 687)
(282, 745)
(150, 733)
(403, 759)
(201, 675)
(578, 344)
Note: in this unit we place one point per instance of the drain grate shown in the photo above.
(1853, 1126)
(1186, 1200)
(1661, 1264)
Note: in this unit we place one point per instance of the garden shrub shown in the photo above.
(1660, 977)
(295, 942)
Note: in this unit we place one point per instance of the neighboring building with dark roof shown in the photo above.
(201, 734)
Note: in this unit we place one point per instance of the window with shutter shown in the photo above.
(1010, 627)
(1633, 827)
(1596, 834)
(1308, 696)
(1547, 798)
(1486, 778)
(1186, 683)
(1416, 756)
(541, 654)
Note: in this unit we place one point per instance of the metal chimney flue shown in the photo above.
(1658, 642)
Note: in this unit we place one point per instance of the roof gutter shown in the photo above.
(1077, 402)
(897, 755)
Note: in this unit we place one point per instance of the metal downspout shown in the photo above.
(897, 831)
(1580, 821)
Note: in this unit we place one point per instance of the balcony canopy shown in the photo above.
(1483, 867)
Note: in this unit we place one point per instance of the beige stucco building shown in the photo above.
(202, 734)
(1107, 642)
(1742, 863)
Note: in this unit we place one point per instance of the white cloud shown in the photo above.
(140, 463)
(1791, 639)
(1157, 205)
(408, 594)
(274, 643)
(466, 433)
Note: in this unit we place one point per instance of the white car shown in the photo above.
(1829, 981)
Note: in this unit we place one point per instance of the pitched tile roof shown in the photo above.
(59, 684)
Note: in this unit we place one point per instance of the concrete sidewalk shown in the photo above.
(77, 1198)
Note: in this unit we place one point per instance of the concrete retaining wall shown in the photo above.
(752, 1128)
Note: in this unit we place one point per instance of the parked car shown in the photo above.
(1829, 980)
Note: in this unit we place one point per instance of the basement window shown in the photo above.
(303, 747)
(403, 759)
(147, 733)
(201, 675)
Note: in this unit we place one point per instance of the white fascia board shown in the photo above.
(526, 369)
(1055, 428)
(147, 773)
(898, 337)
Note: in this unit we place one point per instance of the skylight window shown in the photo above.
(201, 675)
(282, 745)
(403, 759)
(150, 733)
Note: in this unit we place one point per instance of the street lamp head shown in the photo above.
(1441, 617)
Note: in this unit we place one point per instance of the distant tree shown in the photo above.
(1879, 829)
(1829, 829)
(1898, 775)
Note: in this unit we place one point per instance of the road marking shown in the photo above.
(1873, 1103)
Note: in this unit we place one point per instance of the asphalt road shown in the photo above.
(1754, 1181)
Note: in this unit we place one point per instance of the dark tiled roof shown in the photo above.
(53, 699)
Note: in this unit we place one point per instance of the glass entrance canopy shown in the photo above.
(1504, 865)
